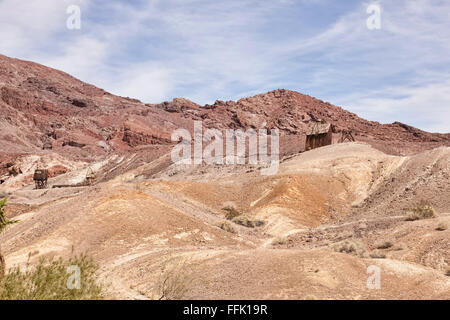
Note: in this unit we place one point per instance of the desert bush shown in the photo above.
(231, 212)
(49, 279)
(422, 210)
(176, 279)
(399, 247)
(384, 245)
(84, 153)
(2, 265)
(377, 255)
(279, 241)
(227, 226)
(442, 226)
(448, 273)
(245, 221)
(355, 248)
(4, 223)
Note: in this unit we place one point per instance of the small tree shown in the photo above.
(49, 279)
(4, 222)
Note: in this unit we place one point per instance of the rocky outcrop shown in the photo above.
(73, 144)
(137, 136)
(57, 170)
(13, 170)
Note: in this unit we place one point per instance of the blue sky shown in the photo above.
(209, 49)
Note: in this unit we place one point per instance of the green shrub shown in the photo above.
(231, 212)
(50, 279)
(4, 223)
(442, 226)
(84, 153)
(176, 279)
(377, 255)
(279, 241)
(226, 226)
(355, 248)
(422, 210)
(399, 247)
(245, 221)
(384, 245)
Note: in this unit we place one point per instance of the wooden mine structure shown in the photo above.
(90, 179)
(40, 178)
(346, 135)
(318, 135)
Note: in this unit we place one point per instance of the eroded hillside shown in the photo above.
(45, 111)
(287, 242)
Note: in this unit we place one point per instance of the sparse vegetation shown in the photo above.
(422, 210)
(399, 247)
(84, 153)
(245, 221)
(355, 248)
(48, 280)
(442, 226)
(2, 265)
(279, 241)
(448, 273)
(176, 279)
(4, 223)
(384, 245)
(231, 212)
(377, 255)
(227, 226)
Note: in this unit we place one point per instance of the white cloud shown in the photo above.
(427, 107)
(26, 25)
(405, 65)
(83, 57)
(147, 82)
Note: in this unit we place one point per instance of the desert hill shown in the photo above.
(48, 111)
(319, 202)
(309, 231)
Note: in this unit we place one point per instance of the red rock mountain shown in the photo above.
(43, 108)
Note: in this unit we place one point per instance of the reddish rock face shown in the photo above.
(56, 171)
(39, 104)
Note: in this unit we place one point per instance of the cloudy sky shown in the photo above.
(205, 50)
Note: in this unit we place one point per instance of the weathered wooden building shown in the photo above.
(318, 135)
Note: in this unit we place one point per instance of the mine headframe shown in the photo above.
(40, 178)
(346, 135)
